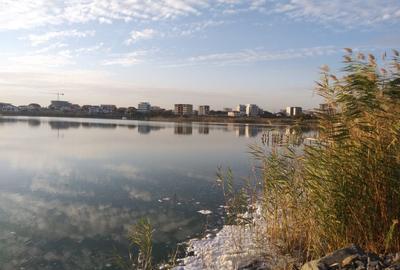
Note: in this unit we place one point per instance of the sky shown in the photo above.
(216, 52)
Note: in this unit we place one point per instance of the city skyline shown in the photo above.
(215, 52)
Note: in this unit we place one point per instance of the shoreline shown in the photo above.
(272, 121)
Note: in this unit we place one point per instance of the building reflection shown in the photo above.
(63, 125)
(252, 131)
(204, 129)
(99, 125)
(67, 125)
(34, 122)
(183, 129)
(248, 131)
(146, 129)
(240, 131)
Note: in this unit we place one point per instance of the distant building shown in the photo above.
(106, 108)
(183, 109)
(234, 114)
(293, 111)
(75, 108)
(241, 109)
(144, 107)
(122, 110)
(90, 109)
(34, 107)
(227, 109)
(252, 110)
(156, 109)
(204, 110)
(23, 108)
(60, 105)
(94, 110)
(131, 110)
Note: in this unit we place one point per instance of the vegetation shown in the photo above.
(344, 186)
(141, 238)
(237, 201)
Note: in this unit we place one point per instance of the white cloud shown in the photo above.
(125, 59)
(346, 13)
(26, 14)
(91, 49)
(190, 29)
(252, 56)
(147, 33)
(44, 38)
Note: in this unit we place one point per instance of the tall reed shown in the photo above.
(344, 187)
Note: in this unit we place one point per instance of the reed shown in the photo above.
(345, 187)
(141, 238)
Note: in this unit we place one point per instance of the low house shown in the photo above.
(7, 107)
(108, 108)
(33, 107)
(60, 105)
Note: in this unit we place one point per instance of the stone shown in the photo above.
(314, 265)
(348, 260)
(347, 254)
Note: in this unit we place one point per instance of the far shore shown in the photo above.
(174, 118)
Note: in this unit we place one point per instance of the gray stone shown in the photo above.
(345, 255)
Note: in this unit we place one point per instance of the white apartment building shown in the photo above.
(204, 109)
(252, 110)
(144, 107)
(293, 111)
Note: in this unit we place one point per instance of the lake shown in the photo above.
(71, 188)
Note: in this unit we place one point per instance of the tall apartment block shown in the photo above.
(293, 111)
(183, 109)
(204, 110)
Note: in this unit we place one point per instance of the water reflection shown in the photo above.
(204, 129)
(183, 129)
(68, 204)
(145, 128)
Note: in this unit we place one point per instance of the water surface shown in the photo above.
(71, 188)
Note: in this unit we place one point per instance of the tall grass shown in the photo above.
(344, 187)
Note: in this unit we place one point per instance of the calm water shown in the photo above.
(71, 188)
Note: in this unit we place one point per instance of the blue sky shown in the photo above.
(217, 52)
